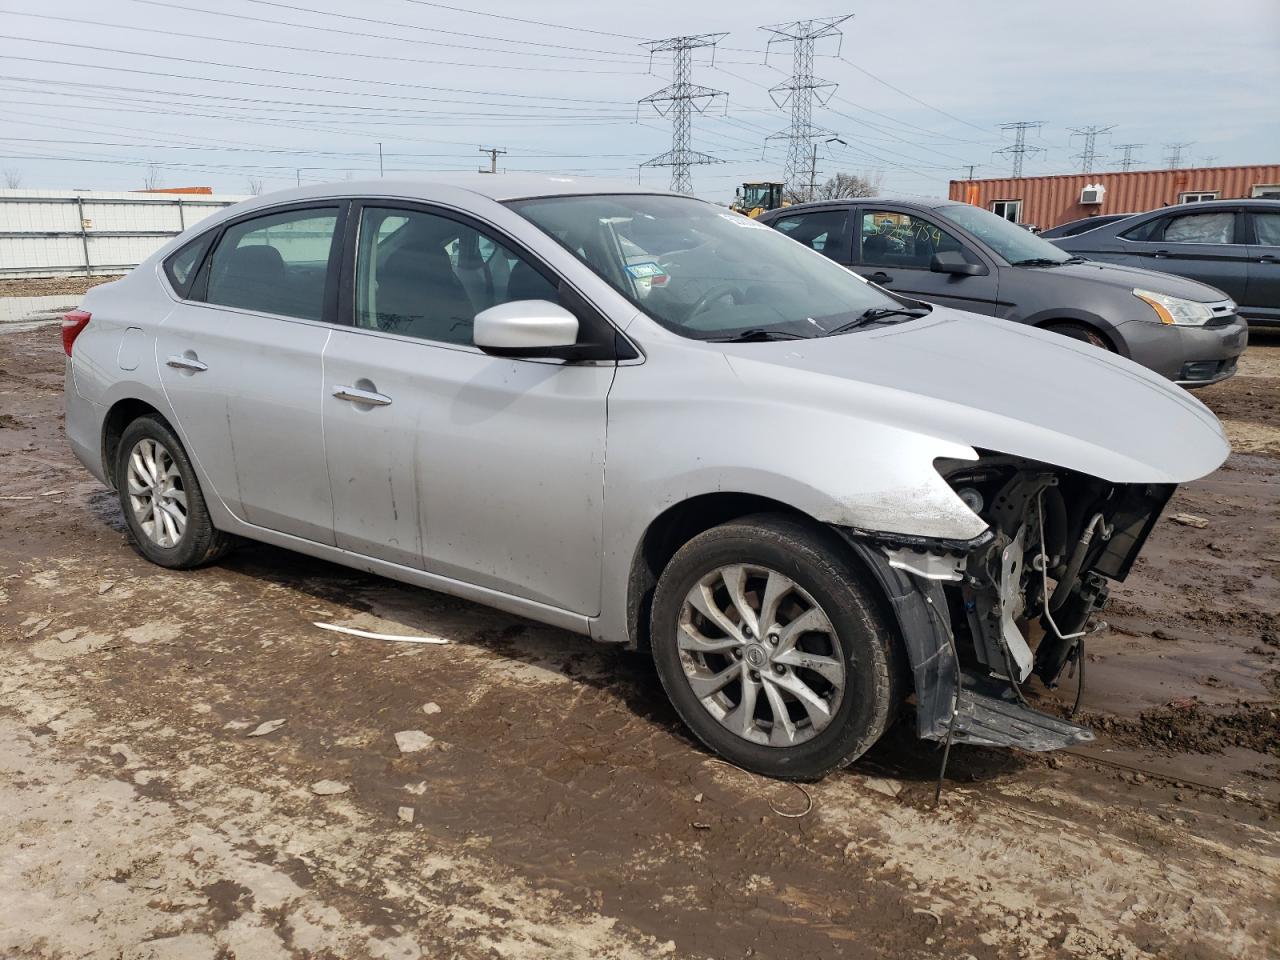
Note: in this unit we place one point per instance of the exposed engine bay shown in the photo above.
(980, 617)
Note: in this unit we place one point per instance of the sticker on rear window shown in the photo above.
(738, 220)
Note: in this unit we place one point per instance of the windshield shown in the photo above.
(702, 271)
(1007, 239)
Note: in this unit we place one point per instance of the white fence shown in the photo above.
(53, 233)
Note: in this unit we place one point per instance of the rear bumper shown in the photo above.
(83, 425)
(1189, 356)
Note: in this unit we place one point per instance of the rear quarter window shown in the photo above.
(183, 265)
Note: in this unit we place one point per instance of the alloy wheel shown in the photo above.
(156, 494)
(761, 655)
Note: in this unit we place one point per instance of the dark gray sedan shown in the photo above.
(965, 257)
(1232, 244)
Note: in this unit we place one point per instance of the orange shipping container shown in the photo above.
(1049, 201)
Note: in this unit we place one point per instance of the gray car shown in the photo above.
(1233, 245)
(965, 257)
(645, 419)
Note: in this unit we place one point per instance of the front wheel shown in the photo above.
(1085, 334)
(772, 650)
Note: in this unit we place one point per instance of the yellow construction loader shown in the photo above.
(755, 197)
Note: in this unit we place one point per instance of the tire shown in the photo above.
(822, 574)
(188, 538)
(1086, 334)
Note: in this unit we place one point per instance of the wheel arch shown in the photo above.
(122, 413)
(1082, 318)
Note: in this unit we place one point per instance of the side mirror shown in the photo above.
(526, 328)
(953, 262)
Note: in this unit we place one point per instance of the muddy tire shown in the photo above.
(773, 649)
(163, 506)
(1078, 331)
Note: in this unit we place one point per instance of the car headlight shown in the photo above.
(1175, 310)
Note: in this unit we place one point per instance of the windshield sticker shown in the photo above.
(646, 271)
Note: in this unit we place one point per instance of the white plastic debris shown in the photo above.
(430, 708)
(367, 635)
(262, 729)
(405, 814)
(328, 788)
(1190, 520)
(414, 741)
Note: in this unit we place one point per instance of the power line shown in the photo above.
(1019, 148)
(800, 91)
(538, 23)
(681, 98)
(1088, 154)
(913, 97)
(1128, 160)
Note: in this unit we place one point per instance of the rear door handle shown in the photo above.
(1161, 254)
(356, 395)
(183, 362)
(880, 277)
(1267, 258)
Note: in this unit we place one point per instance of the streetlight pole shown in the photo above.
(813, 165)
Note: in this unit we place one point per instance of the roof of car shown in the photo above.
(850, 201)
(501, 186)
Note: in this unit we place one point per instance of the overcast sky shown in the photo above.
(198, 97)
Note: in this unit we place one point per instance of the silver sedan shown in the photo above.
(644, 418)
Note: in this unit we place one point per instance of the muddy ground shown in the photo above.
(559, 809)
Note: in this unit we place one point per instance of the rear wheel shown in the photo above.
(772, 650)
(1079, 331)
(161, 498)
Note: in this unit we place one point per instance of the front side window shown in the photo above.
(1267, 228)
(1217, 227)
(901, 240)
(427, 276)
(702, 271)
(1010, 210)
(823, 231)
(276, 263)
(1018, 246)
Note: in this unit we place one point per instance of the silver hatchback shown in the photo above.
(646, 419)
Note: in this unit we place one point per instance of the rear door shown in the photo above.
(1203, 245)
(1262, 292)
(240, 362)
(482, 469)
(894, 248)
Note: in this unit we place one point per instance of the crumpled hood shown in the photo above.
(1000, 386)
(1127, 278)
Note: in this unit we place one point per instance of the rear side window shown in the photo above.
(277, 263)
(1201, 228)
(181, 267)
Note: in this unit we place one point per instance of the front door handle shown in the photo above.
(367, 397)
(1267, 258)
(880, 277)
(183, 361)
(1161, 254)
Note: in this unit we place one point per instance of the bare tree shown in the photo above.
(844, 185)
(152, 178)
(12, 178)
(254, 186)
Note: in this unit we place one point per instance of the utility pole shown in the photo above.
(380, 171)
(1208, 159)
(1088, 154)
(1128, 160)
(800, 90)
(679, 99)
(971, 166)
(813, 166)
(493, 153)
(1174, 159)
(1018, 149)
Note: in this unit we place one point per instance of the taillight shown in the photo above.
(72, 324)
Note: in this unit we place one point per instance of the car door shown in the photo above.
(826, 231)
(1262, 291)
(1203, 245)
(477, 468)
(240, 363)
(894, 248)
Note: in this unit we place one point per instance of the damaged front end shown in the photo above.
(979, 617)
